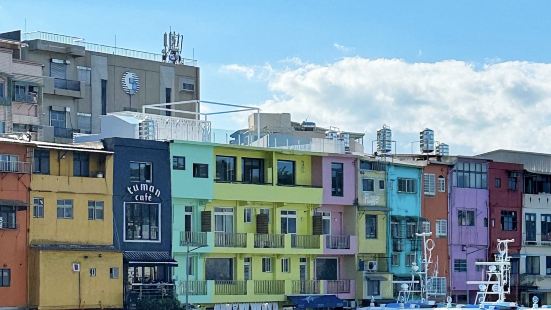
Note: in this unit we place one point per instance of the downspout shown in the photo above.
(448, 233)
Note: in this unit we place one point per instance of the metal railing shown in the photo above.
(269, 287)
(4, 101)
(230, 287)
(269, 241)
(338, 286)
(306, 287)
(15, 166)
(25, 98)
(305, 241)
(193, 238)
(66, 133)
(154, 290)
(337, 242)
(67, 84)
(193, 288)
(230, 240)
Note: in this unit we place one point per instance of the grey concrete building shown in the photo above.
(83, 80)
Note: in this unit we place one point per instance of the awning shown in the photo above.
(316, 301)
(149, 258)
(376, 277)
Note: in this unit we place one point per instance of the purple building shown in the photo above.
(468, 226)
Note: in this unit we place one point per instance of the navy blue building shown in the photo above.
(142, 215)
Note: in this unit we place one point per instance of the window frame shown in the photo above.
(337, 179)
(38, 208)
(535, 270)
(441, 184)
(178, 163)
(94, 206)
(159, 223)
(230, 175)
(247, 215)
(114, 272)
(200, 170)
(287, 218)
(42, 161)
(83, 160)
(463, 218)
(460, 265)
(374, 218)
(429, 184)
(513, 216)
(140, 168)
(65, 206)
(267, 265)
(440, 232)
(3, 273)
(370, 188)
(280, 171)
(407, 186)
(286, 265)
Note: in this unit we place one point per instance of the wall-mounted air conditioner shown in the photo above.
(371, 266)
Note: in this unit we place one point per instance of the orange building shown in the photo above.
(15, 177)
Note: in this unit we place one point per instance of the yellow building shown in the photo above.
(72, 261)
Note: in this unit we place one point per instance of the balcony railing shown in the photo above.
(154, 290)
(193, 288)
(337, 242)
(67, 84)
(15, 166)
(66, 133)
(306, 287)
(269, 287)
(26, 98)
(269, 241)
(230, 287)
(230, 240)
(193, 238)
(338, 286)
(305, 241)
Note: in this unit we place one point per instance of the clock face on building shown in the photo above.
(130, 83)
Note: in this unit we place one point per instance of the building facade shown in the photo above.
(468, 226)
(142, 216)
(72, 261)
(15, 178)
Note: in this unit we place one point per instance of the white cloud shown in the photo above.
(342, 48)
(248, 72)
(472, 108)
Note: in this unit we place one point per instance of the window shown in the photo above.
(188, 220)
(65, 209)
(327, 268)
(470, 175)
(374, 166)
(9, 163)
(266, 264)
(548, 265)
(285, 172)
(178, 163)
(84, 122)
(225, 168)
(441, 184)
(288, 222)
(58, 119)
(395, 259)
(410, 259)
(498, 182)
(247, 270)
(41, 164)
(92, 272)
(512, 183)
(381, 184)
(285, 265)
(95, 210)
(2, 88)
(81, 164)
(142, 221)
(533, 265)
(367, 185)
(7, 217)
(325, 222)
(220, 269)
(103, 97)
(5, 277)
(460, 265)
(371, 226)
(530, 226)
(247, 215)
(140, 172)
(465, 217)
(441, 228)
(337, 179)
(187, 84)
(114, 272)
(223, 220)
(265, 211)
(479, 268)
(168, 98)
(253, 170)
(84, 74)
(190, 265)
(406, 185)
(429, 186)
(411, 229)
(426, 227)
(373, 287)
(545, 227)
(508, 220)
(38, 207)
(395, 230)
(200, 170)
(58, 69)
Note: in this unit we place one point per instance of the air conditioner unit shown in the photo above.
(371, 266)
(76, 267)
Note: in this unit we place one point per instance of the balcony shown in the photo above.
(65, 133)
(337, 242)
(269, 287)
(269, 241)
(193, 288)
(306, 287)
(15, 166)
(63, 87)
(140, 291)
(230, 240)
(230, 287)
(305, 241)
(338, 287)
(268, 192)
(67, 84)
(31, 98)
(191, 238)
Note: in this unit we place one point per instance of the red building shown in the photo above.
(505, 184)
(15, 178)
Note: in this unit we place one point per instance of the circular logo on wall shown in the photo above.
(130, 83)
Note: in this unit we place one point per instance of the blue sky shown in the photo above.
(263, 35)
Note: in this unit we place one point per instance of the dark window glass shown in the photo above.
(220, 269)
(200, 170)
(326, 268)
(58, 119)
(168, 95)
(371, 226)
(545, 227)
(81, 164)
(548, 265)
(285, 172)
(41, 164)
(513, 183)
(178, 163)
(225, 168)
(460, 265)
(471, 175)
(7, 214)
(465, 217)
(533, 265)
(103, 97)
(381, 184)
(142, 221)
(337, 179)
(367, 185)
(253, 170)
(407, 185)
(5, 277)
(530, 224)
(38, 207)
(140, 172)
(498, 182)
(508, 220)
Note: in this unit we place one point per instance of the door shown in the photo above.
(188, 220)
(223, 226)
(303, 273)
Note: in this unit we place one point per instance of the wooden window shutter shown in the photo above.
(206, 221)
(317, 225)
(262, 223)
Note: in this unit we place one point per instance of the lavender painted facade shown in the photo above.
(468, 226)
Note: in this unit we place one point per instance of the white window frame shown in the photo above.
(426, 226)
(158, 221)
(325, 217)
(188, 211)
(247, 265)
(95, 207)
(267, 264)
(38, 205)
(408, 182)
(395, 259)
(429, 184)
(286, 265)
(410, 259)
(441, 184)
(290, 214)
(72, 205)
(190, 265)
(247, 215)
(441, 228)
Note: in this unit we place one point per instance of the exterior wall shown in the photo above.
(56, 286)
(13, 242)
(349, 186)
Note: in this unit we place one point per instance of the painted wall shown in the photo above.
(184, 185)
(349, 180)
(13, 242)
